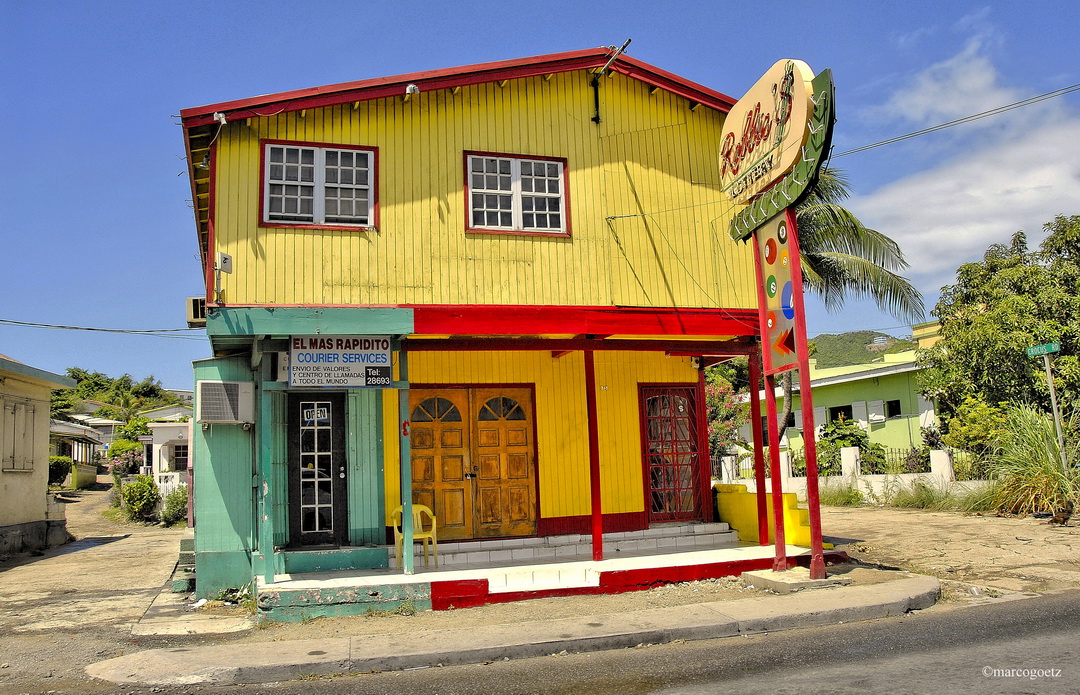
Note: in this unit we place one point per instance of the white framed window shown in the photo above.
(315, 185)
(16, 436)
(516, 194)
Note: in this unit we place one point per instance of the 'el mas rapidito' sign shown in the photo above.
(340, 361)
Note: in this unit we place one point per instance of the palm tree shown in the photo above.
(841, 258)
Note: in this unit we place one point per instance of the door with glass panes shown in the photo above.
(317, 469)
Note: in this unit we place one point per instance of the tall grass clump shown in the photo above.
(921, 495)
(840, 496)
(1028, 472)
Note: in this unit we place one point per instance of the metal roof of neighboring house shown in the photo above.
(90, 420)
(74, 429)
(448, 78)
(8, 364)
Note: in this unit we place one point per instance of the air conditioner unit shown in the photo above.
(225, 402)
(196, 312)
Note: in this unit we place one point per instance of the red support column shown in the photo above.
(704, 449)
(594, 458)
(813, 503)
(754, 360)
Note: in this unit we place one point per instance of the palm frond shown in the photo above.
(834, 276)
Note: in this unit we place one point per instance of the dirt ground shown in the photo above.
(76, 605)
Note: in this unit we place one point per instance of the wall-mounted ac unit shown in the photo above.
(225, 402)
(196, 312)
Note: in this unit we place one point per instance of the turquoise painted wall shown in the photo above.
(223, 491)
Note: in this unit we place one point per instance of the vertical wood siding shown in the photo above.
(648, 224)
(561, 430)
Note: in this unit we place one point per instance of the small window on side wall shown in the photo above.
(892, 409)
(516, 195)
(329, 187)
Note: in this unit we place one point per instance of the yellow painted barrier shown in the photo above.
(738, 508)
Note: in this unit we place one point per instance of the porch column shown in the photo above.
(754, 361)
(406, 462)
(780, 562)
(264, 453)
(594, 457)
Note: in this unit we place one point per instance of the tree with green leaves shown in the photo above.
(125, 396)
(1012, 299)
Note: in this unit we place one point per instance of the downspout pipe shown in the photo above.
(595, 83)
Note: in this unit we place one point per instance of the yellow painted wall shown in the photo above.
(24, 493)
(561, 424)
(648, 221)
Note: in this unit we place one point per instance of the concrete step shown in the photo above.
(673, 538)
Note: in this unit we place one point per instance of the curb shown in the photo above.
(266, 662)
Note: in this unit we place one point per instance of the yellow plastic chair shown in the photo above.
(425, 534)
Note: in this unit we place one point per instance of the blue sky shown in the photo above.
(96, 225)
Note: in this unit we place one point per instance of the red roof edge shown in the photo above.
(382, 87)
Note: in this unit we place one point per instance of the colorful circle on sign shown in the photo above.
(784, 259)
(770, 286)
(787, 301)
(781, 232)
(770, 251)
(770, 320)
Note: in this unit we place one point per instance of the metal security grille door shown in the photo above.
(672, 448)
(317, 470)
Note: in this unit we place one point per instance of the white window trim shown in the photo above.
(517, 195)
(319, 184)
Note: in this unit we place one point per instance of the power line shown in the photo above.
(965, 119)
(153, 332)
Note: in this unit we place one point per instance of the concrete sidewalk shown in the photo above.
(265, 662)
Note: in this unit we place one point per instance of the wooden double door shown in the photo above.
(474, 459)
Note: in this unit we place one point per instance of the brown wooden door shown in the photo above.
(503, 463)
(473, 460)
(441, 462)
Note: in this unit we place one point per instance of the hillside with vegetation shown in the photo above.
(856, 347)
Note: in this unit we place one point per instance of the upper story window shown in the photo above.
(516, 195)
(318, 186)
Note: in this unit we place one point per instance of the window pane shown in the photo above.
(526, 169)
(292, 155)
(527, 220)
(493, 219)
(478, 217)
(506, 219)
(552, 169)
(476, 164)
(277, 154)
(307, 156)
(527, 184)
(331, 158)
(504, 166)
(276, 170)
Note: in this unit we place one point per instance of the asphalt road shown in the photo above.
(1018, 646)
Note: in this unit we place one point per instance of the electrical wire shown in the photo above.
(966, 119)
(153, 332)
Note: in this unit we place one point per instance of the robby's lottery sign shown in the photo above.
(340, 361)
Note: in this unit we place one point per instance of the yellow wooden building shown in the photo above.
(498, 281)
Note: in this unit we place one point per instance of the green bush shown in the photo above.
(59, 468)
(175, 509)
(140, 498)
(921, 495)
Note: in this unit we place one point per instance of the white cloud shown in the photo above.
(949, 215)
(991, 178)
(962, 85)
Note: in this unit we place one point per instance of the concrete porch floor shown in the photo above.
(299, 596)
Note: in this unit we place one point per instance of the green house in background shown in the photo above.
(880, 397)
